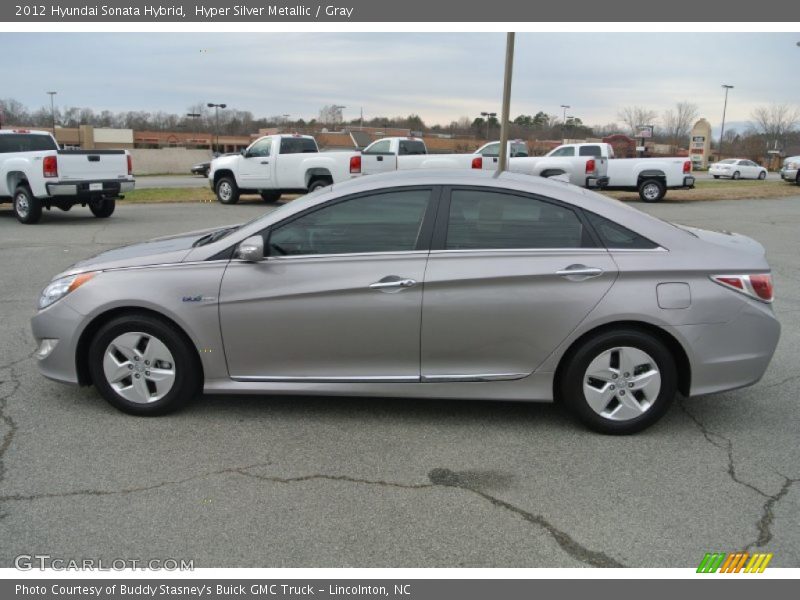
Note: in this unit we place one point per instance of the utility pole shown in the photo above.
(504, 116)
(724, 110)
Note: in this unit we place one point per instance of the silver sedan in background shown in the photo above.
(442, 284)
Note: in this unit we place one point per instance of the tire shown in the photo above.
(762, 175)
(736, 175)
(227, 190)
(27, 208)
(716, 176)
(272, 196)
(318, 183)
(119, 352)
(622, 404)
(652, 190)
(102, 209)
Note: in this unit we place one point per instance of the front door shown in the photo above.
(255, 170)
(339, 297)
(378, 158)
(515, 276)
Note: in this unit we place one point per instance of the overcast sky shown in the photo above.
(441, 77)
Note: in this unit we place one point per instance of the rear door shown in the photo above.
(255, 168)
(378, 158)
(338, 298)
(509, 276)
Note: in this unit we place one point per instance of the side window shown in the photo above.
(408, 147)
(260, 148)
(381, 147)
(565, 151)
(484, 219)
(615, 236)
(590, 151)
(387, 222)
(491, 150)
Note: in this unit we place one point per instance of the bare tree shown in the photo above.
(634, 116)
(775, 122)
(678, 122)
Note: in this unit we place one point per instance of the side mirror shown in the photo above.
(243, 152)
(251, 249)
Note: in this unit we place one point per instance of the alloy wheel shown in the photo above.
(139, 367)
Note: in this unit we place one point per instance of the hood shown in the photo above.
(225, 161)
(162, 250)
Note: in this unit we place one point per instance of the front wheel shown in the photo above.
(736, 175)
(716, 176)
(762, 175)
(619, 382)
(27, 208)
(143, 366)
(652, 190)
(102, 209)
(227, 190)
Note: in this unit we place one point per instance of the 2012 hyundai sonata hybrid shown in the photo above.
(440, 284)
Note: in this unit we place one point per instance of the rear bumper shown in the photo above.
(727, 356)
(688, 181)
(89, 189)
(596, 182)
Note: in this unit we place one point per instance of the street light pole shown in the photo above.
(194, 117)
(53, 111)
(504, 116)
(724, 110)
(216, 108)
(488, 116)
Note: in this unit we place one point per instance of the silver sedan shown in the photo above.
(442, 284)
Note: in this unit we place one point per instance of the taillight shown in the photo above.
(687, 167)
(50, 166)
(757, 286)
(130, 165)
(477, 162)
(590, 166)
(355, 164)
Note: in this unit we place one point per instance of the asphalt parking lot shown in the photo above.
(304, 482)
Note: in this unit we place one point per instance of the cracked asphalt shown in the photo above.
(336, 482)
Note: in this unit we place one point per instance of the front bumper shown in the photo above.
(62, 323)
(789, 174)
(596, 182)
(731, 355)
(88, 189)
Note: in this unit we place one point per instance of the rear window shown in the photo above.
(26, 142)
(519, 150)
(412, 147)
(590, 151)
(298, 145)
(615, 236)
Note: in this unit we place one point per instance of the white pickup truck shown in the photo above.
(398, 153)
(651, 177)
(35, 174)
(277, 164)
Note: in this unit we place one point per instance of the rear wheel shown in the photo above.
(143, 366)
(271, 196)
(736, 175)
(318, 183)
(104, 208)
(27, 208)
(227, 190)
(619, 382)
(716, 176)
(652, 190)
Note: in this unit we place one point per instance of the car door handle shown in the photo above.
(580, 272)
(393, 283)
(264, 162)
(380, 159)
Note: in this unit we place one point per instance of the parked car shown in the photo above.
(651, 177)
(446, 284)
(201, 168)
(791, 170)
(35, 174)
(278, 164)
(737, 168)
(398, 153)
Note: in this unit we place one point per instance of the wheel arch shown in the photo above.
(317, 173)
(223, 173)
(88, 333)
(14, 179)
(676, 349)
(651, 174)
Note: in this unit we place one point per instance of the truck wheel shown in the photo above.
(652, 190)
(227, 190)
(103, 208)
(272, 196)
(318, 183)
(27, 208)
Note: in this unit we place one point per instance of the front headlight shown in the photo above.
(790, 165)
(63, 286)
